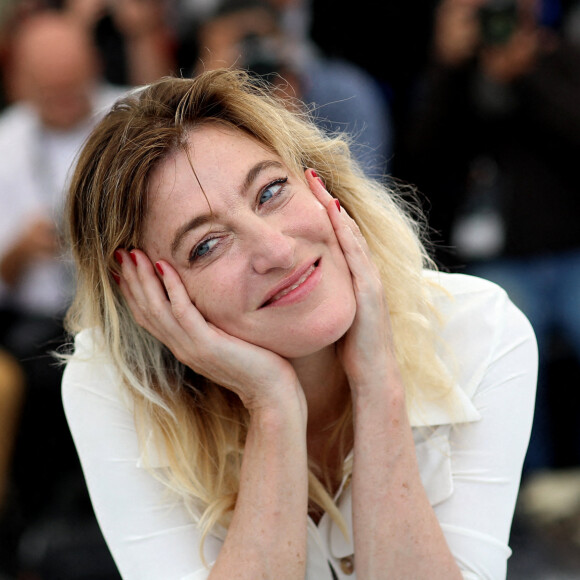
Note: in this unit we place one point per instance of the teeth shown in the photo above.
(303, 278)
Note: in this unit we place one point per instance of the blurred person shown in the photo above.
(12, 12)
(54, 85)
(494, 144)
(134, 37)
(295, 14)
(57, 95)
(249, 34)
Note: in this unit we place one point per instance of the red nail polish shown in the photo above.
(337, 204)
(133, 257)
(159, 268)
(118, 256)
(116, 277)
(313, 173)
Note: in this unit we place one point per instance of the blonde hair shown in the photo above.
(201, 427)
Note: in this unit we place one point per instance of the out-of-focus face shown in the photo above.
(255, 249)
(63, 99)
(56, 71)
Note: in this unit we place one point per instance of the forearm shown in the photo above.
(267, 535)
(396, 533)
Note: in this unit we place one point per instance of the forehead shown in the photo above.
(213, 163)
(209, 150)
(214, 143)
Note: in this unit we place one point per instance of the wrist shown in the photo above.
(282, 428)
(376, 376)
(281, 407)
(383, 392)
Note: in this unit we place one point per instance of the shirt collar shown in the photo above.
(456, 407)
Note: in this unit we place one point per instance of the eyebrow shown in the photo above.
(252, 175)
(205, 218)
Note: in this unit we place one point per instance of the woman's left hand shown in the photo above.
(387, 491)
(367, 349)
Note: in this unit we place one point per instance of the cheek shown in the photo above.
(216, 297)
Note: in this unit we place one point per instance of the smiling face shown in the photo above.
(255, 249)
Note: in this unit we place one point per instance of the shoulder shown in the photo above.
(484, 331)
(463, 285)
(88, 349)
(90, 375)
(484, 341)
(17, 115)
(471, 455)
(477, 317)
(473, 307)
(19, 128)
(17, 124)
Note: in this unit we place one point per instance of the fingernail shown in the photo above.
(313, 173)
(337, 204)
(133, 257)
(159, 268)
(118, 256)
(116, 277)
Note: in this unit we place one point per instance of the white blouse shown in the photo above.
(470, 455)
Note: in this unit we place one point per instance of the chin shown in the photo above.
(313, 337)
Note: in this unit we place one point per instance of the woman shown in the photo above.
(265, 387)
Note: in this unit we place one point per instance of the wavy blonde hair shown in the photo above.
(200, 426)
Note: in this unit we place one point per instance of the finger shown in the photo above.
(183, 309)
(350, 238)
(354, 247)
(146, 297)
(339, 217)
(137, 308)
(318, 187)
(130, 283)
(198, 338)
(208, 349)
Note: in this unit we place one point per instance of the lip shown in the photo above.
(294, 278)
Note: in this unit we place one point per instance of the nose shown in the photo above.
(270, 247)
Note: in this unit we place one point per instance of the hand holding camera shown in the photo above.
(502, 35)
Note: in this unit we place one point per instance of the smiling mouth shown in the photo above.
(293, 287)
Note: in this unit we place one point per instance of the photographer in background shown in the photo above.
(249, 34)
(494, 144)
(57, 95)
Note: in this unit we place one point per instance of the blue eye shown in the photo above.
(203, 248)
(272, 190)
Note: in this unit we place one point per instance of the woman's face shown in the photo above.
(255, 248)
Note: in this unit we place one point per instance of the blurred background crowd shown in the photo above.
(472, 106)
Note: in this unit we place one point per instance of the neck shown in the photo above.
(325, 387)
(327, 395)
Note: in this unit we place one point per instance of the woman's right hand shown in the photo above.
(162, 306)
(267, 536)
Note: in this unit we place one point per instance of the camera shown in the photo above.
(498, 20)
